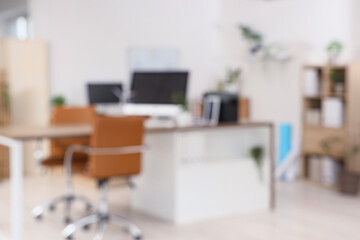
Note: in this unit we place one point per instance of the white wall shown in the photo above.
(305, 27)
(90, 39)
(355, 19)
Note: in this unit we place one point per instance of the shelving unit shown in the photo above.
(348, 135)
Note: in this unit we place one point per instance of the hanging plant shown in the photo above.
(253, 37)
(269, 51)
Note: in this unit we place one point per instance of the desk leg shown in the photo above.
(16, 184)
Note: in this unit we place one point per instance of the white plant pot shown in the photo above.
(184, 119)
(232, 88)
(339, 88)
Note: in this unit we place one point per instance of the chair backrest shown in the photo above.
(116, 132)
(70, 115)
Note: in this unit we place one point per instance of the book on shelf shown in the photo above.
(313, 117)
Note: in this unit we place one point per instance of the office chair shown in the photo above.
(115, 150)
(61, 116)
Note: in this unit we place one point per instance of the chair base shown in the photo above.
(68, 200)
(102, 221)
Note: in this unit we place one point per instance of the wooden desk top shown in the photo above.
(62, 131)
(25, 132)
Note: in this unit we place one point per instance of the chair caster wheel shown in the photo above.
(69, 238)
(88, 208)
(38, 218)
(86, 227)
(67, 220)
(52, 208)
(138, 238)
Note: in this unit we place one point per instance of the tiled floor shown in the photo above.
(305, 212)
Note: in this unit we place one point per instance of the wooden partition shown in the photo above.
(25, 69)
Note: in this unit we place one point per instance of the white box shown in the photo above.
(333, 113)
(313, 117)
(330, 170)
(312, 83)
(315, 173)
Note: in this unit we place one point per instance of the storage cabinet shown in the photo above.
(314, 137)
(316, 111)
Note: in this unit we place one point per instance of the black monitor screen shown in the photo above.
(102, 93)
(158, 87)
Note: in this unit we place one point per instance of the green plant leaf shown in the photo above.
(58, 100)
(251, 35)
(337, 76)
(179, 98)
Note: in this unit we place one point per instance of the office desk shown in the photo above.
(14, 137)
(166, 147)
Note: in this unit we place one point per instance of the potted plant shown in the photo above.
(230, 81)
(337, 77)
(334, 50)
(184, 118)
(58, 101)
(257, 154)
(348, 181)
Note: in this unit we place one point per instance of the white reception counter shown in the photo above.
(197, 173)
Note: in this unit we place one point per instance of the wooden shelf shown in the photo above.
(318, 66)
(337, 95)
(320, 184)
(336, 157)
(322, 96)
(313, 97)
(322, 128)
(314, 135)
(337, 67)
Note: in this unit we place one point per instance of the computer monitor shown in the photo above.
(158, 87)
(104, 93)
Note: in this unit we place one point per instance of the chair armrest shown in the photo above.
(69, 153)
(116, 150)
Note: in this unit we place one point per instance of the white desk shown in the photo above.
(14, 137)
